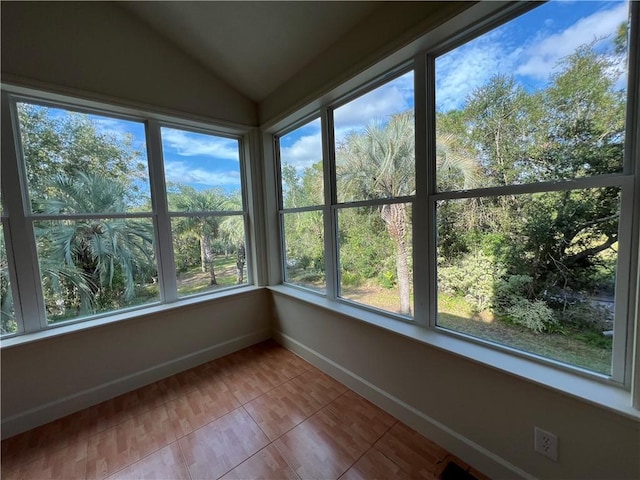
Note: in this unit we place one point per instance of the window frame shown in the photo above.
(421, 58)
(282, 211)
(331, 205)
(18, 219)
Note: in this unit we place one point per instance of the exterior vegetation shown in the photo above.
(535, 271)
(539, 265)
(106, 261)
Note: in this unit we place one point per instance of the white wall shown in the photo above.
(485, 416)
(50, 378)
(98, 47)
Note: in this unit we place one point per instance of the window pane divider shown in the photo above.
(374, 202)
(430, 188)
(614, 180)
(36, 217)
(421, 222)
(332, 272)
(313, 208)
(164, 243)
(216, 213)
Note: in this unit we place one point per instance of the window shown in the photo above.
(375, 184)
(302, 206)
(530, 182)
(87, 184)
(369, 206)
(100, 222)
(202, 174)
(500, 195)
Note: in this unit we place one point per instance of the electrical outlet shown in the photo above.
(545, 443)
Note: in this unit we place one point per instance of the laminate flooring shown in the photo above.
(259, 413)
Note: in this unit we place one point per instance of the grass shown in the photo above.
(568, 349)
(195, 281)
(582, 350)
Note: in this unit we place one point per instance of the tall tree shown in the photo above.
(58, 142)
(203, 227)
(380, 163)
(90, 262)
(232, 228)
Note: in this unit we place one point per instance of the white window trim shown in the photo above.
(21, 246)
(625, 379)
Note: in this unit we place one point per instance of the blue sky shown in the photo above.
(528, 47)
(199, 160)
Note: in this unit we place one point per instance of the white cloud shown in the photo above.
(303, 153)
(111, 126)
(393, 97)
(462, 70)
(543, 55)
(181, 172)
(188, 144)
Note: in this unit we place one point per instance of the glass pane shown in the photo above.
(80, 163)
(535, 272)
(96, 265)
(209, 252)
(375, 143)
(541, 98)
(7, 313)
(301, 166)
(304, 249)
(202, 171)
(376, 257)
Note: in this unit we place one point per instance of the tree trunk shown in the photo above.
(402, 269)
(213, 280)
(395, 219)
(205, 247)
(206, 258)
(240, 260)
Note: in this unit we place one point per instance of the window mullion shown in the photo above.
(632, 165)
(329, 217)
(21, 242)
(430, 187)
(421, 220)
(164, 244)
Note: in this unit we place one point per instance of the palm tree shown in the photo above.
(380, 163)
(92, 261)
(204, 228)
(232, 227)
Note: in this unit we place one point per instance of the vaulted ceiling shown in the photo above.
(254, 46)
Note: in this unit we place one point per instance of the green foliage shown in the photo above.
(472, 277)
(387, 279)
(584, 316)
(70, 144)
(535, 315)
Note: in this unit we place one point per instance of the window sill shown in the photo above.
(605, 396)
(139, 313)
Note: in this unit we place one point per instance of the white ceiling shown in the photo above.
(255, 46)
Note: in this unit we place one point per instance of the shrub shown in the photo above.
(534, 315)
(585, 316)
(387, 279)
(350, 279)
(471, 277)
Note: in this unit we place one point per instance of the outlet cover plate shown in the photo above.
(545, 443)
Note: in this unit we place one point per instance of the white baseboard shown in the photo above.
(482, 459)
(64, 406)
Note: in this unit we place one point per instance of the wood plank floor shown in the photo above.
(260, 413)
